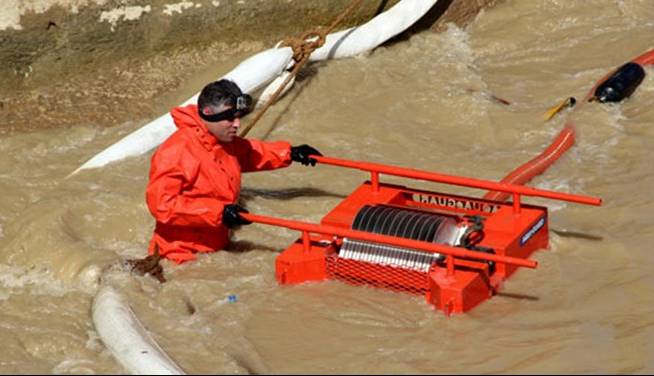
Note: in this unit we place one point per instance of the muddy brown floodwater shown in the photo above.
(422, 102)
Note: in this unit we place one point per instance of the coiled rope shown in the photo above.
(302, 47)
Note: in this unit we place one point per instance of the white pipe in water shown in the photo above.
(127, 339)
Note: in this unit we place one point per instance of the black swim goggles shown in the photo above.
(241, 106)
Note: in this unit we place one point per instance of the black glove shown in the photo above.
(301, 154)
(231, 216)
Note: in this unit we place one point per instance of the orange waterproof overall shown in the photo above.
(192, 177)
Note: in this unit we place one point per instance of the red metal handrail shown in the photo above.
(307, 228)
(516, 190)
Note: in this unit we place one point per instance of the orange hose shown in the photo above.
(537, 165)
(645, 59)
(563, 141)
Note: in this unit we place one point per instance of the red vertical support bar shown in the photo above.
(516, 203)
(374, 178)
(450, 266)
(306, 241)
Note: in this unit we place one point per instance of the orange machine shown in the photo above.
(454, 250)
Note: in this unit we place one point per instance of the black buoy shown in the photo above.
(621, 84)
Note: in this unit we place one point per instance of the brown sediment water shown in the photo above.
(424, 102)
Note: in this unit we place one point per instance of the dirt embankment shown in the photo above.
(76, 61)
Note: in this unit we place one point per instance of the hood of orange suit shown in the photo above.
(187, 116)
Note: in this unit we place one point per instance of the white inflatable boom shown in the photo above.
(127, 339)
(263, 67)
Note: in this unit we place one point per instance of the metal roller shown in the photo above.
(404, 223)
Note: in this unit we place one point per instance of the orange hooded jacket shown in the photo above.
(192, 177)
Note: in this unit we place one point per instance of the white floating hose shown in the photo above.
(127, 339)
(272, 88)
(359, 39)
(266, 65)
(356, 40)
